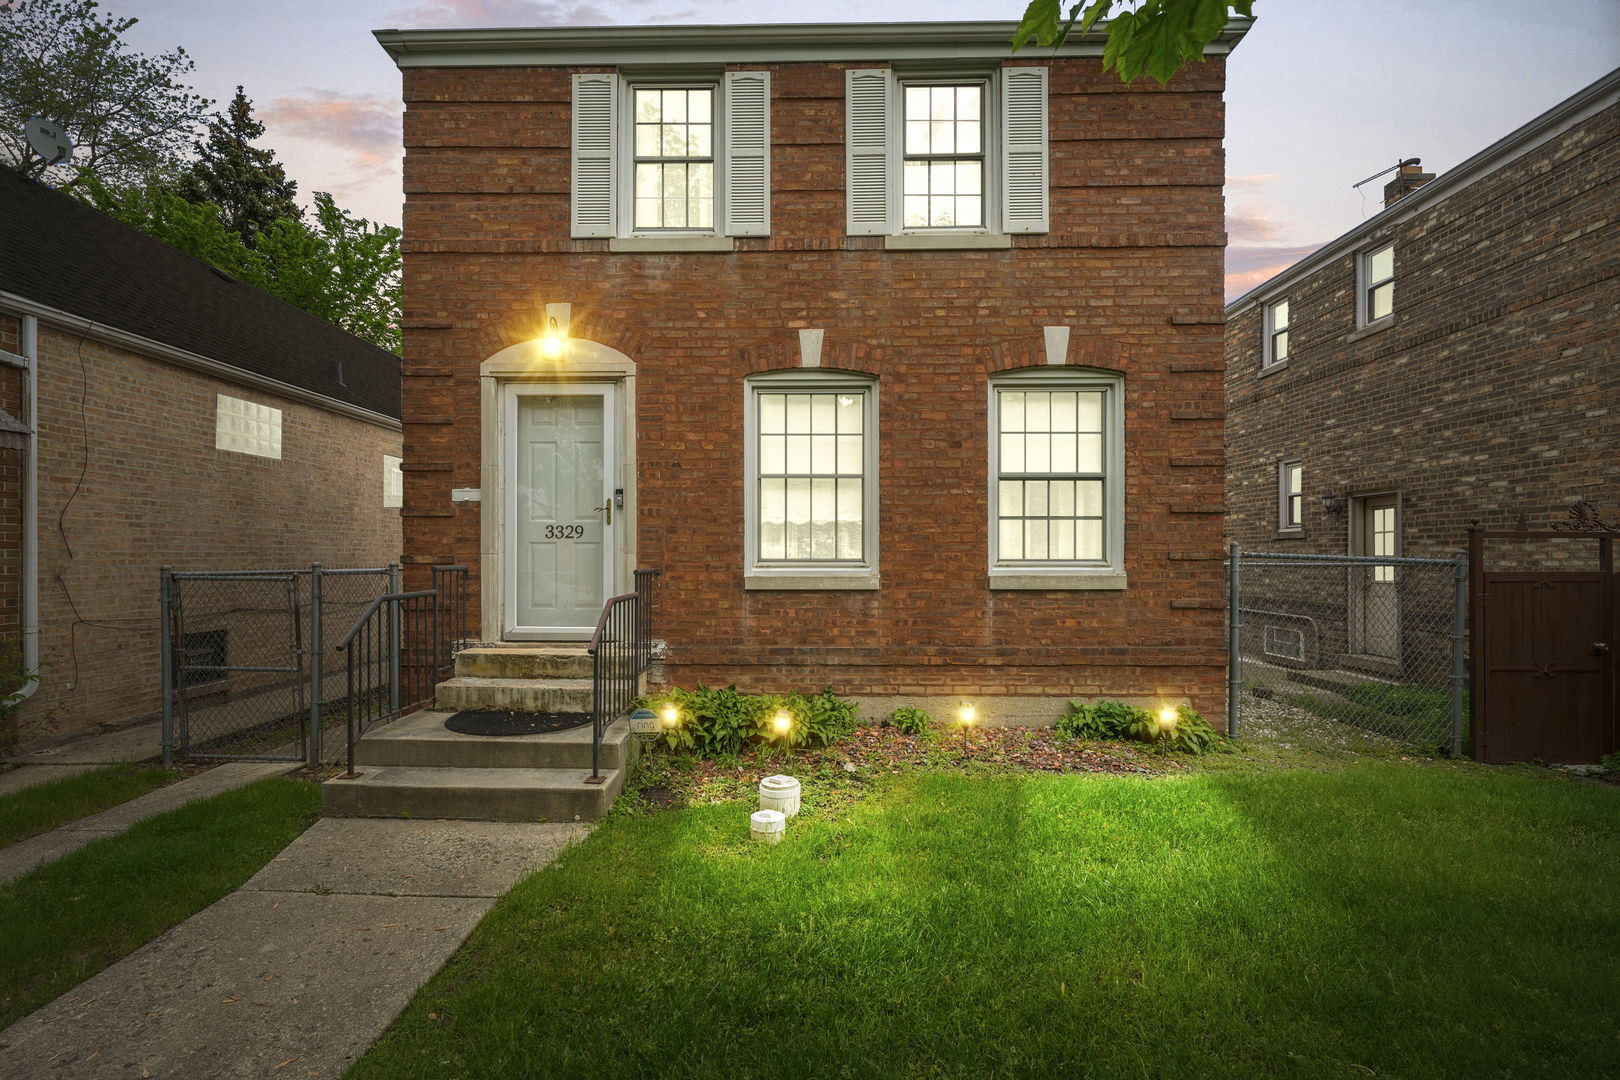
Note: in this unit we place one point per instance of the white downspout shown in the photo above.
(29, 344)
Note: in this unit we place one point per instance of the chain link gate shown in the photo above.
(250, 665)
(1348, 652)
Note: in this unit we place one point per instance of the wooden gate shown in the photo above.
(1543, 648)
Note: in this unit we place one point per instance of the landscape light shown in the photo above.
(782, 722)
(967, 713)
(671, 714)
(1168, 717)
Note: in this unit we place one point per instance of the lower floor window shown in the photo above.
(1056, 466)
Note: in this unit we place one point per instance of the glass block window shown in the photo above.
(812, 455)
(1290, 495)
(393, 482)
(246, 427)
(1276, 332)
(1378, 284)
(674, 157)
(944, 159)
(1051, 475)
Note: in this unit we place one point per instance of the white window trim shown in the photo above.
(1363, 284)
(1109, 572)
(990, 152)
(1269, 332)
(1284, 525)
(809, 575)
(625, 155)
(393, 493)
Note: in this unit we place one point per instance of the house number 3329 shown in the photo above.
(564, 532)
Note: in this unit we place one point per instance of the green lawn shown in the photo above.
(38, 809)
(1382, 919)
(66, 920)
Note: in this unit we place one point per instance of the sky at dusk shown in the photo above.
(1321, 94)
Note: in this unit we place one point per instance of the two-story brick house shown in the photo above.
(898, 354)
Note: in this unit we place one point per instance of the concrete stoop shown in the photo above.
(416, 767)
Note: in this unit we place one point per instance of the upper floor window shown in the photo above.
(668, 158)
(674, 157)
(1375, 280)
(810, 463)
(1276, 333)
(1290, 496)
(1057, 471)
(247, 427)
(932, 154)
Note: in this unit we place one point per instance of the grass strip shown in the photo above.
(1390, 919)
(43, 807)
(67, 920)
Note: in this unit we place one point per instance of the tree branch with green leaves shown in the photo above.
(1155, 37)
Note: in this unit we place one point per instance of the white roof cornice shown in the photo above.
(614, 45)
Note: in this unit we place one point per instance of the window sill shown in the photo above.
(1371, 328)
(1290, 534)
(766, 580)
(1273, 368)
(948, 242)
(662, 244)
(1070, 580)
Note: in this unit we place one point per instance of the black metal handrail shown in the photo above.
(620, 650)
(398, 651)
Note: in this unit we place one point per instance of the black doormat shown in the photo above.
(498, 722)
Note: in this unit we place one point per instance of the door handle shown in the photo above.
(609, 508)
(1600, 648)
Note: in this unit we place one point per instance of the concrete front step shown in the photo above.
(514, 695)
(525, 662)
(421, 739)
(471, 794)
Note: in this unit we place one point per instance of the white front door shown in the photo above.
(560, 519)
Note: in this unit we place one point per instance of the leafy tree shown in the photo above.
(1157, 37)
(244, 181)
(338, 267)
(127, 113)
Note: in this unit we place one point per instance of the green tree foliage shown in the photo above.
(337, 267)
(1156, 37)
(127, 113)
(244, 181)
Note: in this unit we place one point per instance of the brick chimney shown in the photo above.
(1408, 179)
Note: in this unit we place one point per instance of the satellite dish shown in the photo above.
(48, 140)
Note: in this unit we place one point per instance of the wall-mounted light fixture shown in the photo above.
(1332, 502)
(554, 339)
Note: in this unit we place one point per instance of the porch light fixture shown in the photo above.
(1332, 502)
(551, 344)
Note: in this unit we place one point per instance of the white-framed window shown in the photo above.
(1057, 472)
(810, 468)
(1375, 284)
(933, 153)
(1291, 495)
(393, 482)
(246, 427)
(1276, 350)
(671, 157)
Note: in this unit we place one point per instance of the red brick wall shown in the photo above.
(1133, 264)
(1496, 391)
(155, 491)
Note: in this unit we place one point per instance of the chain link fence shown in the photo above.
(250, 661)
(1349, 652)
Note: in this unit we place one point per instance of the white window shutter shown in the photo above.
(870, 159)
(748, 153)
(1023, 150)
(596, 100)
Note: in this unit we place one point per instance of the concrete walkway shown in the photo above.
(21, 857)
(300, 970)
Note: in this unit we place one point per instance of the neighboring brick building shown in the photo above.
(1452, 358)
(793, 327)
(182, 418)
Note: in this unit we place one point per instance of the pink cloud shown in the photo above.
(364, 130)
(1248, 265)
(504, 13)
